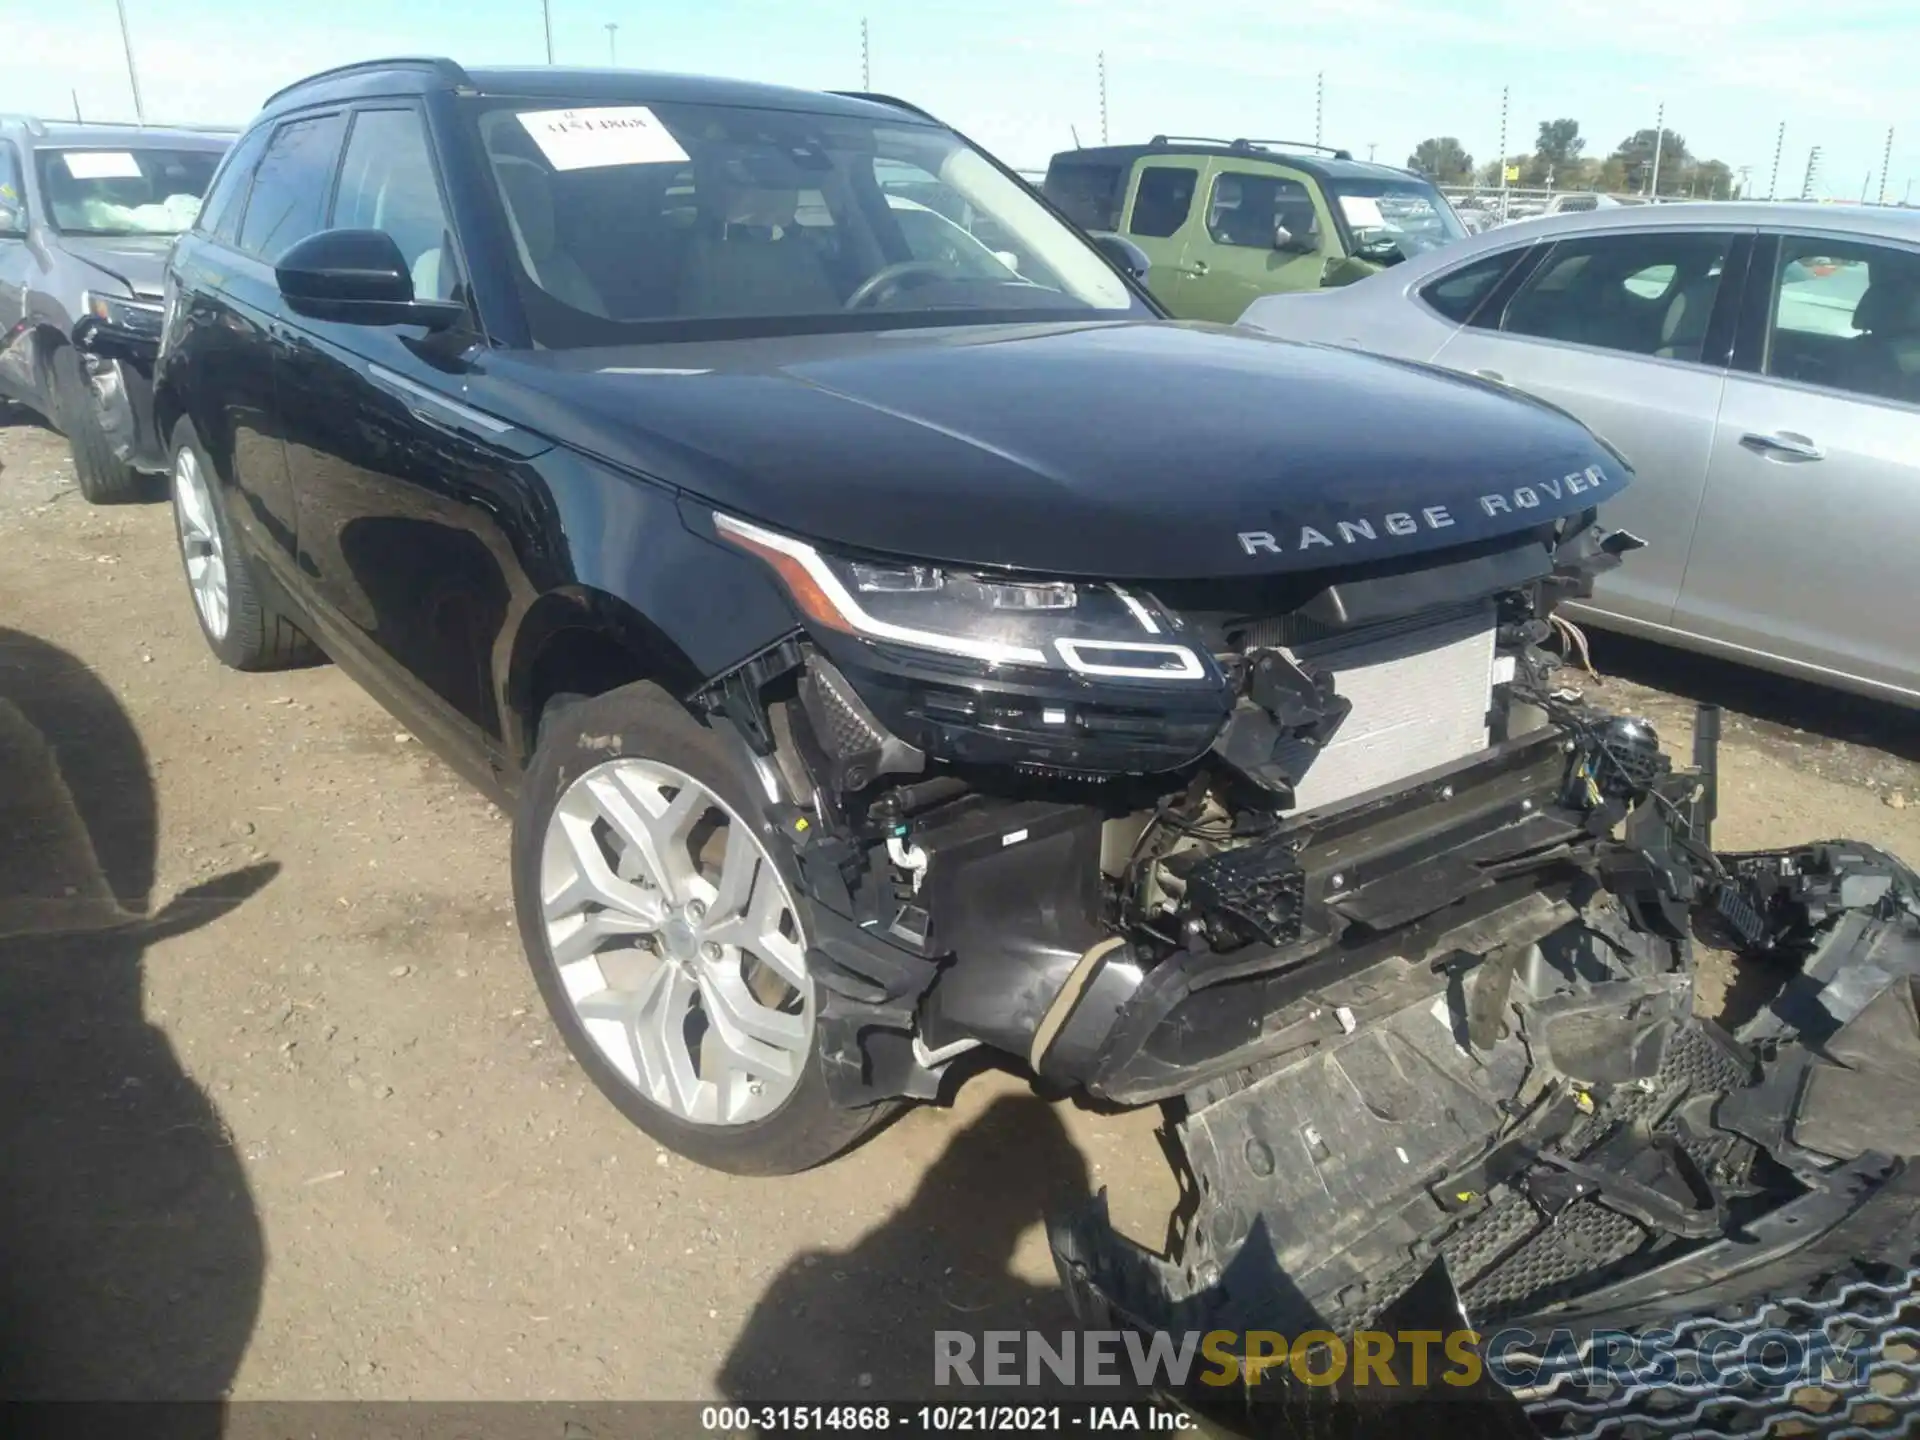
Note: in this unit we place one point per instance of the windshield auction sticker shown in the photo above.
(102, 165)
(605, 135)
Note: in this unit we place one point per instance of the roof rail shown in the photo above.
(440, 65)
(38, 127)
(1245, 145)
(878, 99)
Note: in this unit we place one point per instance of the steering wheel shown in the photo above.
(889, 276)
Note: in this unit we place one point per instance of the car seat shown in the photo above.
(1884, 359)
(1683, 331)
(530, 215)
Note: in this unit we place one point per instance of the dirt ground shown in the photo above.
(302, 1129)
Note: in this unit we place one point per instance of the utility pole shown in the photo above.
(1813, 169)
(133, 76)
(1372, 145)
(1746, 171)
(613, 54)
(1659, 137)
(76, 107)
(866, 56)
(1886, 164)
(1319, 104)
(1103, 97)
(546, 20)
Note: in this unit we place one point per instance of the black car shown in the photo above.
(87, 213)
(887, 654)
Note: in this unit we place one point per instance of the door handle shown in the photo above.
(1783, 445)
(1199, 267)
(1494, 375)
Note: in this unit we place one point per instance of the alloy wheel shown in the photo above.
(677, 942)
(200, 541)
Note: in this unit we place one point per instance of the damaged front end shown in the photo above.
(1400, 931)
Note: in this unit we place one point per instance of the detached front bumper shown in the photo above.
(1778, 1280)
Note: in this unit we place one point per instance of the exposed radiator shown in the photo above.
(1420, 696)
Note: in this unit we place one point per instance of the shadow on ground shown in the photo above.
(131, 1254)
(941, 1263)
(1774, 699)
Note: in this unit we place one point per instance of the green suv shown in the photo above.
(1226, 221)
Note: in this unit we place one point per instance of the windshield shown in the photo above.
(124, 192)
(682, 221)
(1396, 220)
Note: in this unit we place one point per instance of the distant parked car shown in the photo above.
(1758, 364)
(1224, 221)
(87, 213)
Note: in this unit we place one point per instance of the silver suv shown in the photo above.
(87, 215)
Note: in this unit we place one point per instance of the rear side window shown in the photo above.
(1649, 294)
(1088, 194)
(1161, 203)
(1462, 295)
(289, 199)
(220, 215)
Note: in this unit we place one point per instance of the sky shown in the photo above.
(1020, 76)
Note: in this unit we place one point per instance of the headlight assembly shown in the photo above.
(119, 312)
(1088, 629)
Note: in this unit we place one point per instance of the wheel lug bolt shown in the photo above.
(753, 1087)
(695, 909)
(709, 951)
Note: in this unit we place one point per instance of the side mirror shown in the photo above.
(357, 277)
(1124, 253)
(13, 222)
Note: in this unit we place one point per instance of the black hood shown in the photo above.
(1140, 450)
(136, 261)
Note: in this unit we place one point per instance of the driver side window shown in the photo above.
(387, 183)
(1246, 208)
(13, 195)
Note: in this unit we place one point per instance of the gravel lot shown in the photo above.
(298, 1126)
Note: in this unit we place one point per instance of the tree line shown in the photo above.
(1556, 160)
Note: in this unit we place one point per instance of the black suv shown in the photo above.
(894, 641)
(86, 215)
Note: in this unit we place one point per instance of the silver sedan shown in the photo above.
(1758, 364)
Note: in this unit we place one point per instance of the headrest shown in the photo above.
(1889, 307)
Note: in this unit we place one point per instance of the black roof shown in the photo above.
(417, 75)
(1321, 160)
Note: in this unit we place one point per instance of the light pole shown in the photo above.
(1103, 97)
(133, 76)
(1659, 136)
(613, 56)
(546, 20)
(866, 56)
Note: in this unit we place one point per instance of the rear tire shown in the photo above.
(103, 479)
(241, 628)
(636, 746)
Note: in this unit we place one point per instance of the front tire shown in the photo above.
(241, 628)
(656, 907)
(103, 479)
